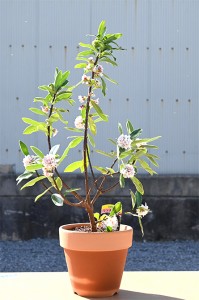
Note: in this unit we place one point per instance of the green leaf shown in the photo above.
(133, 199)
(79, 66)
(108, 60)
(110, 170)
(138, 154)
(102, 28)
(109, 229)
(37, 111)
(34, 167)
(53, 118)
(25, 175)
(37, 151)
(112, 37)
(124, 153)
(152, 158)
(74, 166)
(103, 86)
(54, 149)
(101, 169)
(138, 185)
(138, 197)
(71, 190)
(110, 79)
(63, 96)
(59, 183)
(129, 127)
(61, 79)
(33, 181)
(23, 148)
(45, 88)
(99, 111)
(120, 128)
(57, 200)
(40, 195)
(31, 129)
(71, 145)
(112, 141)
(117, 208)
(85, 53)
(74, 143)
(30, 121)
(135, 133)
(91, 140)
(96, 216)
(146, 167)
(42, 100)
(92, 125)
(105, 153)
(58, 80)
(73, 129)
(122, 181)
(86, 45)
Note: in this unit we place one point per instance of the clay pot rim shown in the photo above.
(95, 241)
(69, 227)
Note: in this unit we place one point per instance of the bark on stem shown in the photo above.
(86, 138)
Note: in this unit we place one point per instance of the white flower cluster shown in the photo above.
(109, 222)
(50, 163)
(142, 210)
(79, 124)
(128, 171)
(29, 160)
(124, 141)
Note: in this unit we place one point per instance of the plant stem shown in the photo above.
(89, 209)
(85, 143)
(50, 113)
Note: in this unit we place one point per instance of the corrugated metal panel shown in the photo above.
(157, 74)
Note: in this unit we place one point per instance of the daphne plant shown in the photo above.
(131, 152)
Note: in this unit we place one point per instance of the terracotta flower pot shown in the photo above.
(95, 260)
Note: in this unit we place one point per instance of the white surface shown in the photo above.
(135, 286)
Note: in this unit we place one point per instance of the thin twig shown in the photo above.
(76, 195)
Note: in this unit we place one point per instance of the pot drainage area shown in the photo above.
(45, 255)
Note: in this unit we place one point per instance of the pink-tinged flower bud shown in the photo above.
(98, 70)
(128, 171)
(55, 132)
(85, 79)
(81, 99)
(124, 141)
(79, 123)
(91, 60)
(45, 109)
(81, 107)
(89, 67)
(28, 160)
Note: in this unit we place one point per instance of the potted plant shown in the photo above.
(95, 251)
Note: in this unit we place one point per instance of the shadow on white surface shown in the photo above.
(129, 295)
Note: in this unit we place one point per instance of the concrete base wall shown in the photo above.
(174, 201)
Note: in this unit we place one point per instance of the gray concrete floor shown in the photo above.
(45, 255)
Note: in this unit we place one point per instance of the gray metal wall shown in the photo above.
(157, 74)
